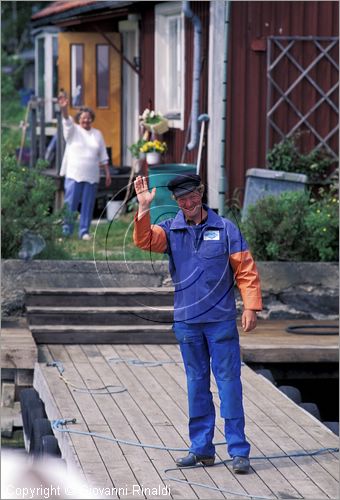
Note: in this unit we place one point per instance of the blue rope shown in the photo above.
(59, 423)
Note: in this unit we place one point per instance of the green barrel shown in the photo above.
(163, 206)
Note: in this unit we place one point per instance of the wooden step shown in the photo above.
(99, 297)
(99, 315)
(101, 334)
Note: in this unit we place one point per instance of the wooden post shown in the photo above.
(33, 132)
(59, 138)
(42, 138)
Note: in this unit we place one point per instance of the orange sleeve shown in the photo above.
(147, 236)
(247, 279)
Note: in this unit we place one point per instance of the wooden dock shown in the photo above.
(153, 410)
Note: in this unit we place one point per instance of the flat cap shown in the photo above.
(184, 183)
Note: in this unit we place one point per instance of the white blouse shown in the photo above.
(85, 151)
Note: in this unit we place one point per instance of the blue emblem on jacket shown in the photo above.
(200, 268)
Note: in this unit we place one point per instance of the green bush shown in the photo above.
(292, 228)
(322, 223)
(286, 157)
(27, 198)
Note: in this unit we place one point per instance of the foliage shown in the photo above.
(151, 117)
(233, 207)
(154, 147)
(15, 24)
(135, 148)
(154, 121)
(322, 224)
(27, 197)
(291, 227)
(286, 157)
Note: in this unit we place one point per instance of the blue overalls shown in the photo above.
(205, 326)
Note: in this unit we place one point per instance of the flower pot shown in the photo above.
(153, 158)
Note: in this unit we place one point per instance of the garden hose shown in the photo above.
(309, 329)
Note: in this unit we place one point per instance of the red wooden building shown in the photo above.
(282, 74)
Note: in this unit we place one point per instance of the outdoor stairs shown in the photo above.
(100, 315)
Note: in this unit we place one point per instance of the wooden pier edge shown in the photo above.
(64, 440)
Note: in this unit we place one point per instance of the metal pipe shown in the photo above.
(196, 73)
(223, 187)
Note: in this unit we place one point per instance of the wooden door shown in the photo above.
(89, 70)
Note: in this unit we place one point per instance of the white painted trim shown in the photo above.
(130, 90)
(48, 72)
(215, 76)
(161, 67)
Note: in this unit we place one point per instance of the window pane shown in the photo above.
(41, 67)
(55, 66)
(103, 75)
(77, 65)
(174, 63)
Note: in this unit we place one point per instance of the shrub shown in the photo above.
(286, 157)
(27, 197)
(292, 228)
(322, 224)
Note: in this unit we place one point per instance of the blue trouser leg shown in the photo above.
(238, 445)
(87, 205)
(196, 360)
(73, 192)
(218, 341)
(224, 349)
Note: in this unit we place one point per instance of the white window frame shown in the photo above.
(163, 13)
(48, 76)
(130, 88)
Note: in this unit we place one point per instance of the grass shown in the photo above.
(111, 241)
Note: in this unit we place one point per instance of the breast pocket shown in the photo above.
(212, 249)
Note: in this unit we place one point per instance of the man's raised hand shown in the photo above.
(144, 196)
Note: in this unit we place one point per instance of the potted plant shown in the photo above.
(153, 150)
(154, 121)
(135, 149)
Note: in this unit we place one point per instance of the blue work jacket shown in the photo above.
(200, 268)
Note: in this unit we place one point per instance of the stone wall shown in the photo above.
(290, 289)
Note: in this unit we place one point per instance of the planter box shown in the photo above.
(261, 182)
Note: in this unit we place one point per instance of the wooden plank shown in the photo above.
(289, 435)
(86, 450)
(265, 421)
(274, 478)
(143, 427)
(222, 476)
(66, 445)
(18, 349)
(169, 434)
(89, 368)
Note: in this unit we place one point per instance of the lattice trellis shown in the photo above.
(280, 55)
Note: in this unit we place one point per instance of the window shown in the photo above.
(169, 62)
(77, 66)
(46, 71)
(103, 75)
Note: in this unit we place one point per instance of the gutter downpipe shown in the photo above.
(223, 180)
(196, 74)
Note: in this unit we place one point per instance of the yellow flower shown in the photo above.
(318, 211)
(324, 229)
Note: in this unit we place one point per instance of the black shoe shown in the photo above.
(192, 459)
(241, 465)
